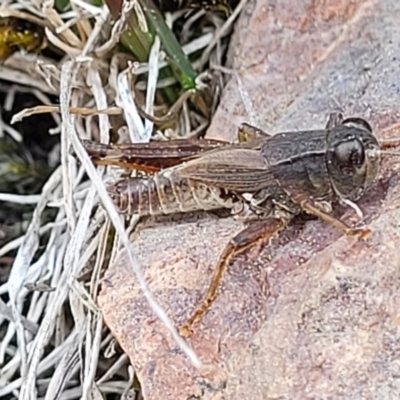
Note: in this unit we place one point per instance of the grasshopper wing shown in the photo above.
(235, 169)
(149, 157)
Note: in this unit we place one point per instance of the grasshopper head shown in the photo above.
(353, 158)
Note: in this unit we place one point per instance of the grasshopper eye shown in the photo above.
(348, 156)
(358, 123)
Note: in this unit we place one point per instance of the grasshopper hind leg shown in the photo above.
(258, 231)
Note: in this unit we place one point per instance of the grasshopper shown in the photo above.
(265, 180)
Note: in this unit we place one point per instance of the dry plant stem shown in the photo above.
(190, 48)
(46, 329)
(18, 242)
(65, 97)
(151, 84)
(27, 112)
(88, 8)
(94, 81)
(21, 264)
(53, 39)
(20, 199)
(7, 313)
(46, 100)
(35, 268)
(114, 217)
(223, 31)
(49, 361)
(92, 350)
(125, 101)
(50, 74)
(172, 112)
(116, 33)
(6, 11)
(100, 22)
(56, 22)
(94, 318)
(84, 322)
(70, 269)
(64, 370)
(122, 360)
(186, 29)
(129, 384)
(10, 74)
(247, 102)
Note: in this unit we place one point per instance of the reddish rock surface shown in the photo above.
(316, 314)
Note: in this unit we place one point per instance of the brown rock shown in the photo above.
(315, 316)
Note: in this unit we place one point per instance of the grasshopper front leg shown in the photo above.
(258, 231)
(312, 208)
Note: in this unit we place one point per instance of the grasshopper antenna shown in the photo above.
(244, 95)
(389, 153)
(388, 144)
(393, 142)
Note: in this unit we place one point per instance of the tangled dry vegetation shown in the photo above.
(54, 344)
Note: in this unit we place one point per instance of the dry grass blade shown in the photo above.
(27, 112)
(21, 264)
(125, 101)
(20, 199)
(114, 218)
(152, 84)
(7, 313)
(221, 32)
(63, 371)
